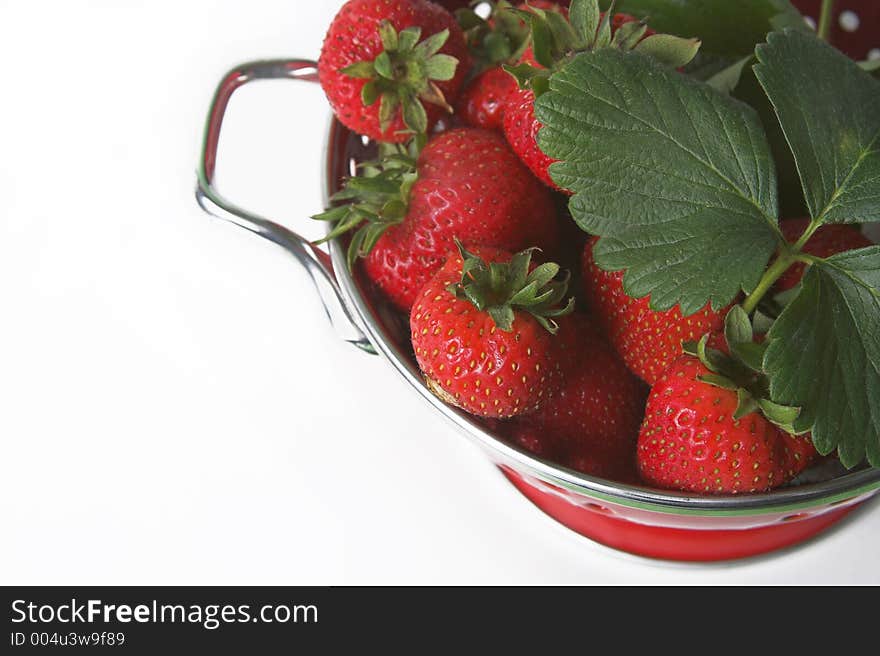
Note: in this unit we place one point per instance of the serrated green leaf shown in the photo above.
(824, 355)
(726, 27)
(674, 176)
(584, 16)
(822, 99)
(674, 51)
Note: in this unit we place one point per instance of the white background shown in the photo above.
(174, 408)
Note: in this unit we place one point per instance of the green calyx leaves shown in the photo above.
(500, 39)
(501, 288)
(742, 371)
(404, 75)
(556, 41)
(374, 200)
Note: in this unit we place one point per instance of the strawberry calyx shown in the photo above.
(556, 40)
(500, 38)
(374, 200)
(403, 75)
(741, 371)
(500, 288)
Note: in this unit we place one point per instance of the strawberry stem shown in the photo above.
(774, 273)
(790, 255)
(824, 29)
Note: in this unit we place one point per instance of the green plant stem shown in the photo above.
(824, 29)
(780, 266)
(791, 253)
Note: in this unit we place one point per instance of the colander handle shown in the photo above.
(315, 261)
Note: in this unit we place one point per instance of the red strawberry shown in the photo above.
(825, 242)
(855, 27)
(691, 441)
(647, 340)
(482, 333)
(483, 100)
(469, 185)
(368, 37)
(592, 424)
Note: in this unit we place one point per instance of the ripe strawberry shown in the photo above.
(483, 333)
(825, 242)
(557, 47)
(592, 423)
(377, 71)
(482, 102)
(647, 340)
(692, 440)
(466, 183)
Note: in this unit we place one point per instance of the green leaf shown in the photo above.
(726, 27)
(728, 78)
(674, 176)
(824, 355)
(628, 35)
(383, 66)
(737, 327)
(671, 50)
(430, 46)
(414, 115)
(441, 67)
(822, 99)
(746, 403)
(363, 70)
(388, 36)
(584, 17)
(783, 416)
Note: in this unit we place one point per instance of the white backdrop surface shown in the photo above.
(174, 408)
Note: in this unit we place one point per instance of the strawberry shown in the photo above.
(648, 340)
(556, 47)
(825, 242)
(483, 100)
(592, 424)
(466, 183)
(378, 73)
(483, 332)
(693, 438)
